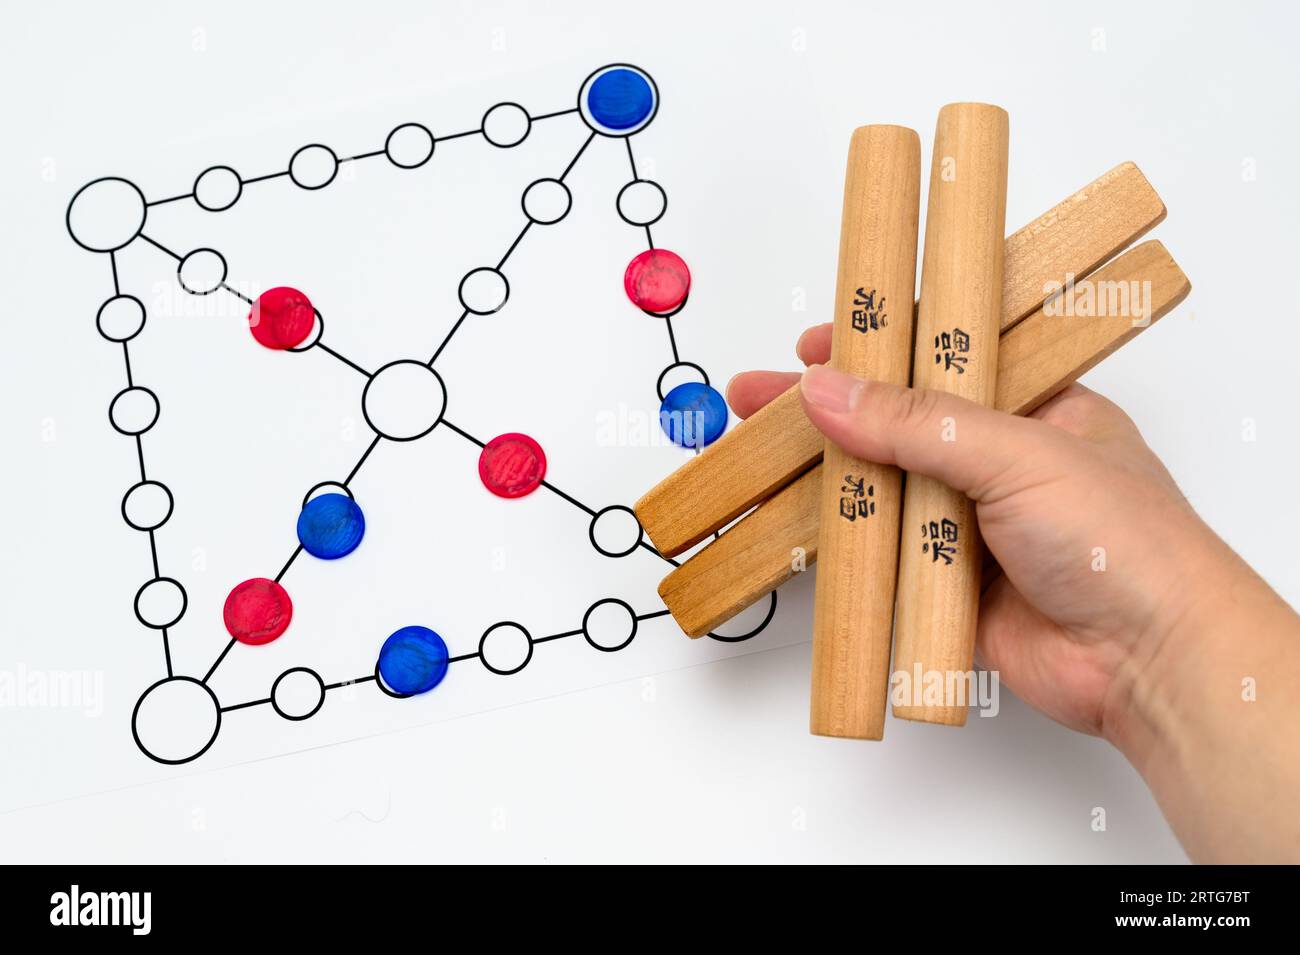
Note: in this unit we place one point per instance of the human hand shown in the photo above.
(1100, 556)
(1109, 605)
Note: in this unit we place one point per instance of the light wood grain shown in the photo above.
(774, 446)
(957, 324)
(1094, 225)
(1036, 359)
(861, 501)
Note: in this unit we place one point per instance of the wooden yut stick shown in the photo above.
(1036, 359)
(956, 352)
(861, 501)
(777, 444)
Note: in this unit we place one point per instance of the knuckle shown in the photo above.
(1106, 407)
(915, 408)
(1099, 416)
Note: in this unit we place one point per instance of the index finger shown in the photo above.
(814, 345)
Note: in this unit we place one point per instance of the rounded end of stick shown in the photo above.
(979, 119)
(866, 729)
(882, 135)
(938, 715)
(974, 109)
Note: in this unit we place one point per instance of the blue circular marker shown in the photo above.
(693, 415)
(413, 660)
(620, 99)
(331, 526)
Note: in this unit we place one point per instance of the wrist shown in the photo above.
(1163, 683)
(1201, 707)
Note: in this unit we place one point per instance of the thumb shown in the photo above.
(968, 447)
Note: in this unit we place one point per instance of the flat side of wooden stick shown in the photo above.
(1035, 360)
(1039, 357)
(753, 558)
(771, 448)
(1089, 228)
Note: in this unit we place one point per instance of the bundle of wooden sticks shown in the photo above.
(899, 568)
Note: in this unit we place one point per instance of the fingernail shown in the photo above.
(830, 389)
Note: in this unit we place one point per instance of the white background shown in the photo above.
(671, 750)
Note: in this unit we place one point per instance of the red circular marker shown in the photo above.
(257, 611)
(657, 281)
(282, 318)
(512, 465)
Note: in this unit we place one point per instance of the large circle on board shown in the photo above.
(176, 720)
(404, 400)
(106, 214)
